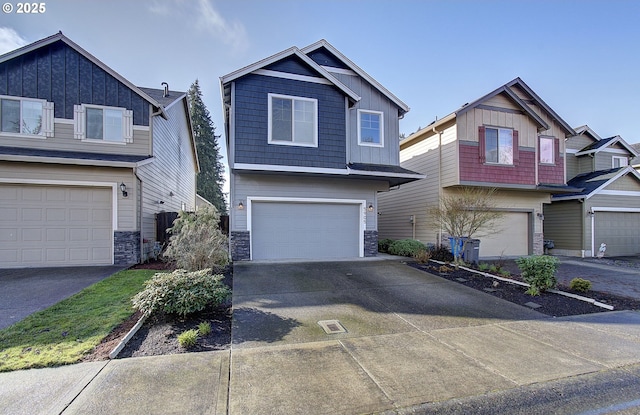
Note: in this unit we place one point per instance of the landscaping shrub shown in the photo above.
(204, 328)
(406, 247)
(197, 242)
(580, 285)
(483, 266)
(539, 271)
(383, 245)
(423, 256)
(188, 338)
(181, 292)
(441, 253)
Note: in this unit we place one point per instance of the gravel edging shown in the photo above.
(125, 339)
(524, 284)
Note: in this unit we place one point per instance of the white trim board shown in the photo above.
(260, 199)
(297, 169)
(293, 76)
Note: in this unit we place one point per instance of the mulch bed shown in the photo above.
(551, 304)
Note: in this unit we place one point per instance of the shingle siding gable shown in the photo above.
(325, 58)
(292, 65)
(251, 124)
(59, 74)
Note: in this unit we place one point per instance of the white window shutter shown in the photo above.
(127, 125)
(47, 119)
(79, 122)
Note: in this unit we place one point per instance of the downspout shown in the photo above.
(439, 242)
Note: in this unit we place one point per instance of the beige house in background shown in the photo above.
(87, 159)
(509, 139)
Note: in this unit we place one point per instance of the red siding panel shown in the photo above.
(472, 169)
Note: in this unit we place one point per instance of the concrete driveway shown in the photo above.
(412, 340)
(409, 338)
(24, 291)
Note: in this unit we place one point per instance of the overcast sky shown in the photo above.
(581, 57)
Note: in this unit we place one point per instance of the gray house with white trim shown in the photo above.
(87, 159)
(606, 209)
(312, 139)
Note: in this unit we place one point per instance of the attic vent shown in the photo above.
(166, 89)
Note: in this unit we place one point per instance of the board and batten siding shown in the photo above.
(371, 99)
(64, 175)
(64, 140)
(173, 171)
(58, 73)
(256, 185)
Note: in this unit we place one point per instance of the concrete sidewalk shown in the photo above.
(411, 338)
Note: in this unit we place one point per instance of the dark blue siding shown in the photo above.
(251, 124)
(44, 75)
(72, 82)
(98, 87)
(323, 57)
(58, 73)
(294, 65)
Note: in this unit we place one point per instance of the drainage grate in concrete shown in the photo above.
(332, 326)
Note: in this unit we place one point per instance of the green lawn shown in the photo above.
(66, 331)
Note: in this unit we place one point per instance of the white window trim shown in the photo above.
(80, 121)
(293, 143)
(47, 118)
(553, 150)
(497, 163)
(364, 143)
(614, 158)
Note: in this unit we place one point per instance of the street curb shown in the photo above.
(130, 334)
(524, 284)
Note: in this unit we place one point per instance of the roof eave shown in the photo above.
(281, 55)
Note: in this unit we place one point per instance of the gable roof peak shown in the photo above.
(404, 108)
(61, 37)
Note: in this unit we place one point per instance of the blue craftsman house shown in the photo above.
(312, 139)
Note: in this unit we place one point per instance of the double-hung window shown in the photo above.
(293, 120)
(499, 145)
(109, 124)
(617, 162)
(547, 155)
(26, 116)
(370, 128)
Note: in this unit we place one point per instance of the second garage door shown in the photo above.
(512, 238)
(43, 226)
(282, 230)
(620, 231)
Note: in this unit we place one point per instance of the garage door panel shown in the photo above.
(305, 230)
(55, 225)
(619, 230)
(511, 239)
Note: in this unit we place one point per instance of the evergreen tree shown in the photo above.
(211, 176)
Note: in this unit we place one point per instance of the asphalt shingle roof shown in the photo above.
(34, 152)
(158, 95)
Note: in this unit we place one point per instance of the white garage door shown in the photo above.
(304, 230)
(512, 238)
(42, 226)
(620, 231)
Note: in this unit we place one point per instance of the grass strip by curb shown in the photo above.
(65, 332)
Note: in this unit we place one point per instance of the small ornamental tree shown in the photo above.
(197, 242)
(469, 213)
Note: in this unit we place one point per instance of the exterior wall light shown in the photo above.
(370, 208)
(240, 206)
(123, 189)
